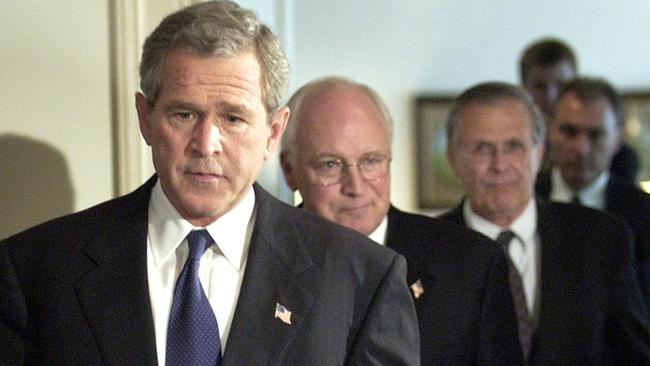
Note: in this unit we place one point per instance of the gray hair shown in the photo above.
(494, 93)
(314, 88)
(219, 28)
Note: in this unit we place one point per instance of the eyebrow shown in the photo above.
(233, 108)
(227, 107)
(364, 155)
(180, 105)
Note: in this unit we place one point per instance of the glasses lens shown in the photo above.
(373, 167)
(331, 172)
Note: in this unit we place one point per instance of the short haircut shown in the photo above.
(492, 93)
(216, 28)
(589, 89)
(545, 52)
(314, 88)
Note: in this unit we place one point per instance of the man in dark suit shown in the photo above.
(577, 297)
(200, 265)
(336, 153)
(585, 132)
(545, 66)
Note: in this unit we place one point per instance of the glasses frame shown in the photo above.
(330, 180)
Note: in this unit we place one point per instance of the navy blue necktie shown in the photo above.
(193, 332)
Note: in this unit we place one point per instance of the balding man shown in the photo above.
(336, 152)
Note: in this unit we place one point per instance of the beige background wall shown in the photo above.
(55, 126)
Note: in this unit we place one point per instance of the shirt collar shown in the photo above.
(167, 229)
(592, 195)
(524, 226)
(379, 235)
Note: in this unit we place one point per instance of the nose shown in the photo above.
(352, 182)
(205, 139)
(580, 144)
(499, 160)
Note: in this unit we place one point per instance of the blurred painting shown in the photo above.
(437, 186)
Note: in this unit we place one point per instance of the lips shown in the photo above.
(204, 174)
(356, 210)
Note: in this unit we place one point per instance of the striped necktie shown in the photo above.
(524, 321)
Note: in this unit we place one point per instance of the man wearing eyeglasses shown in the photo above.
(573, 279)
(336, 152)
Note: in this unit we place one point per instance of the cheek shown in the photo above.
(166, 148)
(321, 200)
(381, 188)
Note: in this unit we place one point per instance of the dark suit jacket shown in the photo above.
(625, 200)
(13, 315)
(591, 311)
(466, 312)
(625, 163)
(84, 279)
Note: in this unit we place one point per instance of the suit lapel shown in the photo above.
(114, 293)
(275, 260)
(456, 215)
(543, 185)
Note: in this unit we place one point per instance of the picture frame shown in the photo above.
(438, 188)
(637, 131)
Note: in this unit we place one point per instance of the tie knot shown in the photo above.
(504, 238)
(198, 241)
(576, 200)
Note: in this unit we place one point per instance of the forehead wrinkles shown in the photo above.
(238, 75)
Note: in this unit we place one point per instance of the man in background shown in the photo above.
(572, 276)
(200, 265)
(545, 67)
(585, 132)
(336, 152)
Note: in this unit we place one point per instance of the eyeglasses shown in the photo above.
(370, 167)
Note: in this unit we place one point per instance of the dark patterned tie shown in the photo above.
(524, 321)
(193, 332)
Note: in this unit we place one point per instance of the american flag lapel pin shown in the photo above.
(417, 289)
(282, 313)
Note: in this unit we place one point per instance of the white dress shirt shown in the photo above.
(222, 265)
(524, 250)
(592, 195)
(379, 235)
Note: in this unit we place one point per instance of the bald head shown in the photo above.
(339, 125)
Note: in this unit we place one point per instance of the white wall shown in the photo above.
(55, 91)
(402, 47)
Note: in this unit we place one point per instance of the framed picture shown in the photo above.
(437, 186)
(637, 131)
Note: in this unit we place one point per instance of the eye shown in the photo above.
(483, 149)
(569, 131)
(326, 167)
(372, 161)
(231, 119)
(184, 117)
(514, 146)
(595, 135)
(232, 124)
